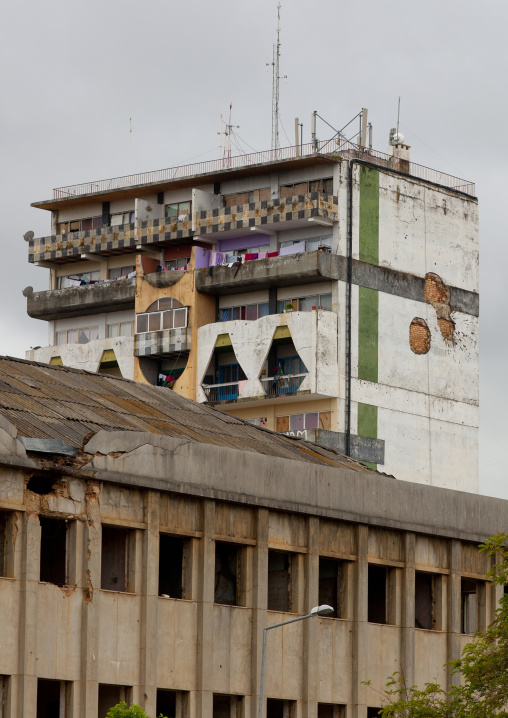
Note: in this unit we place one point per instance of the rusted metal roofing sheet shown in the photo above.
(54, 402)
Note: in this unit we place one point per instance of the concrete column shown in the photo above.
(259, 603)
(149, 593)
(30, 571)
(206, 588)
(90, 584)
(310, 656)
(359, 625)
(407, 631)
(454, 608)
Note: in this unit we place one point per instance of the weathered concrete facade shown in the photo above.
(382, 251)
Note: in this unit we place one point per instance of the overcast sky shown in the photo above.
(73, 73)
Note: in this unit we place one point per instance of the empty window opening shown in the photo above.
(373, 712)
(114, 558)
(426, 600)
(110, 695)
(276, 708)
(171, 567)
(6, 544)
(172, 703)
(279, 581)
(53, 699)
(332, 574)
(41, 485)
(227, 706)
(377, 594)
(227, 573)
(4, 687)
(469, 605)
(53, 551)
(329, 710)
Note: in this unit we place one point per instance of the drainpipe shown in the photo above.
(349, 280)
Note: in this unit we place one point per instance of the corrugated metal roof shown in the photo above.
(54, 402)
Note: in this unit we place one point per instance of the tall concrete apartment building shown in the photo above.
(328, 291)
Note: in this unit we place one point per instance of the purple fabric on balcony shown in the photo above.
(254, 239)
(202, 257)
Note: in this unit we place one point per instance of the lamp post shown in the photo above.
(323, 610)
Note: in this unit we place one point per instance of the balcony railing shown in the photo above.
(327, 147)
(283, 384)
(221, 392)
(103, 241)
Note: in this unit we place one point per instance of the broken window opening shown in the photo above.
(279, 581)
(277, 708)
(426, 601)
(332, 588)
(468, 605)
(377, 594)
(227, 706)
(330, 710)
(115, 557)
(110, 695)
(173, 556)
(41, 485)
(53, 551)
(53, 698)
(227, 573)
(172, 703)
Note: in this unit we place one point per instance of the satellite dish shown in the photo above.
(28, 236)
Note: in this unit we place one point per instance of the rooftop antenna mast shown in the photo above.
(227, 132)
(275, 85)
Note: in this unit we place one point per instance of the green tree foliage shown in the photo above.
(121, 710)
(482, 668)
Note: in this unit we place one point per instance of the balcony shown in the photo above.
(290, 356)
(268, 214)
(63, 248)
(162, 231)
(81, 301)
(162, 343)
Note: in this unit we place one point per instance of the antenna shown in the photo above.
(227, 132)
(275, 85)
(398, 116)
(130, 145)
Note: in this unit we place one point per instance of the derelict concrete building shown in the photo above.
(146, 541)
(328, 291)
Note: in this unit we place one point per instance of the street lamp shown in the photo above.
(323, 610)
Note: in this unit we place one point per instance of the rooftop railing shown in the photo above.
(333, 148)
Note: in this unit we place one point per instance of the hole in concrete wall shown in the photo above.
(41, 485)
(331, 585)
(227, 706)
(227, 573)
(114, 558)
(53, 551)
(279, 581)
(110, 695)
(276, 708)
(171, 562)
(330, 710)
(53, 698)
(425, 615)
(468, 605)
(419, 336)
(377, 594)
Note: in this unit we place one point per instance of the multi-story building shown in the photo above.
(146, 541)
(328, 291)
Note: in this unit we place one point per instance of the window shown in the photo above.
(332, 585)
(53, 699)
(229, 558)
(4, 693)
(276, 708)
(373, 712)
(321, 185)
(118, 272)
(178, 210)
(117, 558)
(78, 225)
(77, 280)
(175, 556)
(281, 581)
(305, 304)
(261, 421)
(427, 600)
(53, 551)
(380, 589)
(227, 706)
(172, 703)
(77, 336)
(165, 313)
(295, 423)
(329, 710)
(119, 218)
(249, 312)
(124, 329)
(6, 544)
(468, 605)
(110, 695)
(180, 263)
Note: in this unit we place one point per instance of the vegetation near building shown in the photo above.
(121, 710)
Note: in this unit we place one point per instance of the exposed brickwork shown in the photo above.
(438, 294)
(419, 336)
(447, 329)
(231, 200)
